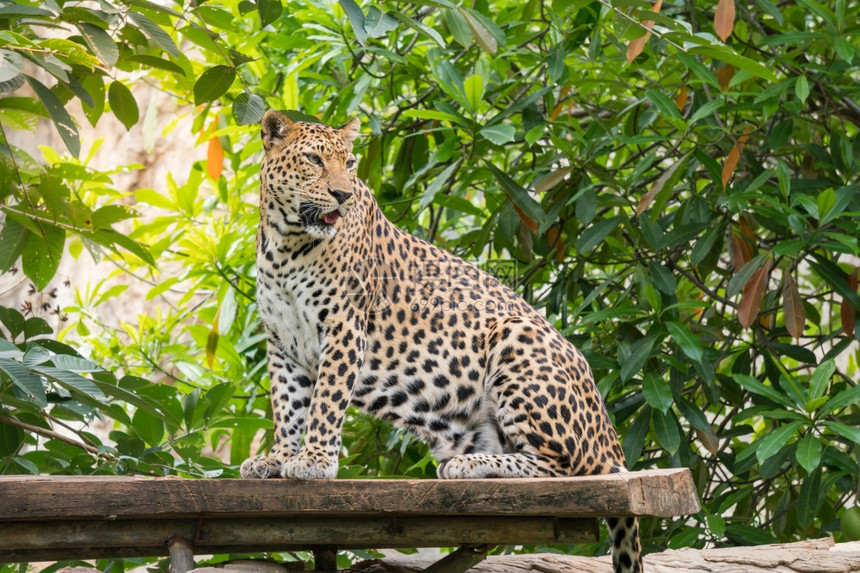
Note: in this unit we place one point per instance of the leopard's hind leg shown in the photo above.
(550, 419)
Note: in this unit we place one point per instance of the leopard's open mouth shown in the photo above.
(313, 216)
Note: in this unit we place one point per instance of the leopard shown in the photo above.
(358, 312)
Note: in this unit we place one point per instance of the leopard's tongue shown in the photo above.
(330, 218)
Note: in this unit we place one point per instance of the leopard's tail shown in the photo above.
(626, 549)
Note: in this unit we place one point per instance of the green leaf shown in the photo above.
(688, 341)
(846, 398)
(123, 105)
(378, 24)
(22, 10)
(844, 48)
(519, 196)
(704, 246)
(634, 438)
(458, 27)
(739, 281)
(110, 238)
(245, 423)
(154, 31)
(356, 19)
(436, 185)
(852, 434)
(421, 28)
(663, 278)
(213, 83)
(706, 110)
(11, 440)
(94, 84)
(30, 384)
(13, 238)
(100, 43)
(36, 326)
(59, 116)
(667, 430)
(474, 86)
(808, 453)
(716, 524)
(248, 109)
(76, 383)
(110, 214)
(821, 378)
(801, 88)
(269, 10)
(149, 427)
(836, 278)
(657, 392)
(756, 387)
(13, 321)
(480, 32)
(499, 133)
(593, 236)
(639, 353)
(768, 7)
(749, 535)
(809, 499)
(41, 255)
(155, 62)
(74, 363)
(770, 444)
(431, 114)
(730, 57)
(664, 105)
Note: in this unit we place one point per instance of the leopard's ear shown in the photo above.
(274, 128)
(350, 130)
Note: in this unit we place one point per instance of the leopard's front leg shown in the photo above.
(291, 389)
(340, 362)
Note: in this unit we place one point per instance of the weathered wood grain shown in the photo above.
(660, 493)
(85, 539)
(819, 556)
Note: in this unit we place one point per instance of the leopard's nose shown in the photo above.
(340, 195)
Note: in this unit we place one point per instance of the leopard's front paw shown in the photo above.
(261, 467)
(469, 466)
(306, 466)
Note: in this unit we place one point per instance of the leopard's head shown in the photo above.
(309, 171)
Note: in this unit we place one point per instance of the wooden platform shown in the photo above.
(74, 517)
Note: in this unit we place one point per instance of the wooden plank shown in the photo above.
(659, 493)
(87, 539)
(820, 556)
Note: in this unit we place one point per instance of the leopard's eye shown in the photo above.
(350, 163)
(314, 158)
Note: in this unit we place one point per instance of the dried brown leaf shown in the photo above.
(681, 99)
(656, 187)
(530, 223)
(635, 47)
(552, 179)
(555, 242)
(725, 75)
(849, 314)
(742, 245)
(733, 158)
(215, 158)
(724, 19)
(753, 295)
(792, 307)
(709, 440)
(560, 105)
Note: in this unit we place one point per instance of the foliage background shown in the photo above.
(682, 203)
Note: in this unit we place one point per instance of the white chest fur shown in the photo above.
(294, 321)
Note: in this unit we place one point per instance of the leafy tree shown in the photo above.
(676, 184)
